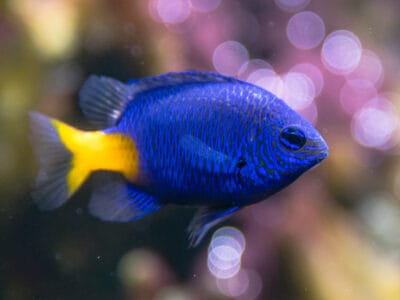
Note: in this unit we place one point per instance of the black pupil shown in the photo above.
(292, 138)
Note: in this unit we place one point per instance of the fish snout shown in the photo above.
(323, 150)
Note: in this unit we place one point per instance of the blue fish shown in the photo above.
(189, 138)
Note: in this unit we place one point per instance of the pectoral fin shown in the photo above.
(205, 219)
(198, 151)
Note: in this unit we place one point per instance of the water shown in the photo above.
(327, 236)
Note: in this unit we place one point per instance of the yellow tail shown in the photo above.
(67, 156)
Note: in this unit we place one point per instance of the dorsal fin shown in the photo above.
(103, 99)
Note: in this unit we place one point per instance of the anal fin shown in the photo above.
(205, 219)
(114, 199)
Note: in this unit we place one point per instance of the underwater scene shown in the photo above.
(199, 149)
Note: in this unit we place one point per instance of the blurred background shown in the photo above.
(333, 234)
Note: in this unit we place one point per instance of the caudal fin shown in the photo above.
(52, 187)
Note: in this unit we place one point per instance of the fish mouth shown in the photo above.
(321, 150)
(324, 151)
(322, 155)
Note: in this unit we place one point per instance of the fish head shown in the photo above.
(288, 145)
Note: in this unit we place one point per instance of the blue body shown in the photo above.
(215, 143)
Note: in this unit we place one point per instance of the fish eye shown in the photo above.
(292, 138)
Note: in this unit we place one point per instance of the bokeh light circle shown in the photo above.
(369, 68)
(173, 11)
(299, 90)
(234, 286)
(355, 93)
(258, 74)
(292, 5)
(375, 123)
(230, 58)
(230, 233)
(223, 261)
(305, 30)
(341, 52)
(254, 65)
(225, 252)
(313, 72)
(268, 80)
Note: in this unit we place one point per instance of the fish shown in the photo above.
(192, 138)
